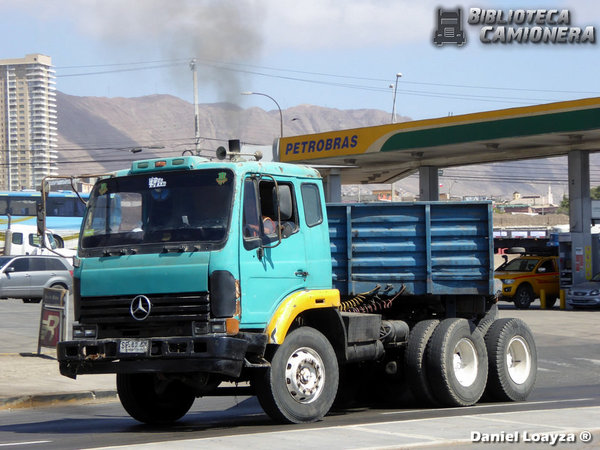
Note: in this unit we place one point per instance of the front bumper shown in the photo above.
(218, 354)
(508, 292)
(583, 300)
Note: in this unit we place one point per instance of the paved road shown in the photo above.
(566, 400)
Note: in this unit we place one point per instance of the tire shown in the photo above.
(149, 400)
(512, 360)
(302, 382)
(523, 297)
(415, 363)
(457, 363)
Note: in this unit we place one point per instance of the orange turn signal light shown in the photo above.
(232, 326)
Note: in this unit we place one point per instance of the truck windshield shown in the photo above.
(190, 206)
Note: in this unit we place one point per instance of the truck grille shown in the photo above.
(164, 308)
(449, 32)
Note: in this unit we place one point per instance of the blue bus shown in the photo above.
(64, 212)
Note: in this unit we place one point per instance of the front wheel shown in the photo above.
(512, 360)
(150, 399)
(302, 382)
(523, 297)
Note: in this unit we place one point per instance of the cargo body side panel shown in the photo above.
(432, 248)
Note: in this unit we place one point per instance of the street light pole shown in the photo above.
(398, 75)
(278, 107)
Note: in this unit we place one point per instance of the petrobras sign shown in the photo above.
(324, 145)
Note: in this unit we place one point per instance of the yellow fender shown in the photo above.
(295, 304)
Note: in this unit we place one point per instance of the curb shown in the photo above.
(43, 400)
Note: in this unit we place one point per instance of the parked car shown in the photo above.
(25, 277)
(585, 294)
(523, 279)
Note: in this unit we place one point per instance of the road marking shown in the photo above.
(495, 405)
(556, 363)
(441, 442)
(10, 444)
(450, 430)
(518, 422)
(593, 361)
(365, 429)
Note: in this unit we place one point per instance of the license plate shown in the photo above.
(133, 346)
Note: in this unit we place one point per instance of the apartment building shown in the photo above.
(28, 136)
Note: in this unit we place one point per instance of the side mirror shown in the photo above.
(10, 269)
(541, 270)
(41, 221)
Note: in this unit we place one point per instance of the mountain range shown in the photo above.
(100, 134)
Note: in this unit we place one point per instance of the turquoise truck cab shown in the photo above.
(192, 272)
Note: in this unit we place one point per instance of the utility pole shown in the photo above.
(398, 75)
(196, 111)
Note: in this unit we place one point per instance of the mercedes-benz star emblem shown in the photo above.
(140, 307)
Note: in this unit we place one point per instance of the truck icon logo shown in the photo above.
(140, 307)
(449, 28)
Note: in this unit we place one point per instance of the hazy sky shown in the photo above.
(334, 53)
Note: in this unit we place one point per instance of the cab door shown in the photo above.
(270, 268)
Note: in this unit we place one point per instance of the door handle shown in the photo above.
(301, 273)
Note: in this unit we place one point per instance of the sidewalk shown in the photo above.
(28, 380)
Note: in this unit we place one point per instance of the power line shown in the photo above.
(239, 68)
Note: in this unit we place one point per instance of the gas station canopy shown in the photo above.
(386, 153)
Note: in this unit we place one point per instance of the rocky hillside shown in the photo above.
(97, 134)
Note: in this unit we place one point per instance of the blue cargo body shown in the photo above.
(432, 248)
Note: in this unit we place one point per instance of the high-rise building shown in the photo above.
(27, 122)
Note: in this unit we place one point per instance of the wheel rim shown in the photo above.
(524, 297)
(304, 375)
(464, 362)
(518, 360)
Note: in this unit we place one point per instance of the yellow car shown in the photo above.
(523, 279)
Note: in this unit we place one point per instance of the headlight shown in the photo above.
(508, 281)
(595, 292)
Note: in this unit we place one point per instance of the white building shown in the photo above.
(28, 133)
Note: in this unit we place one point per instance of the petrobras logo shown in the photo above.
(321, 145)
(522, 26)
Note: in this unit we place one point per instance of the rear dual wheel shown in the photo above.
(512, 360)
(457, 365)
(415, 361)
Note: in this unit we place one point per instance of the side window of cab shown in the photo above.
(264, 202)
(311, 198)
